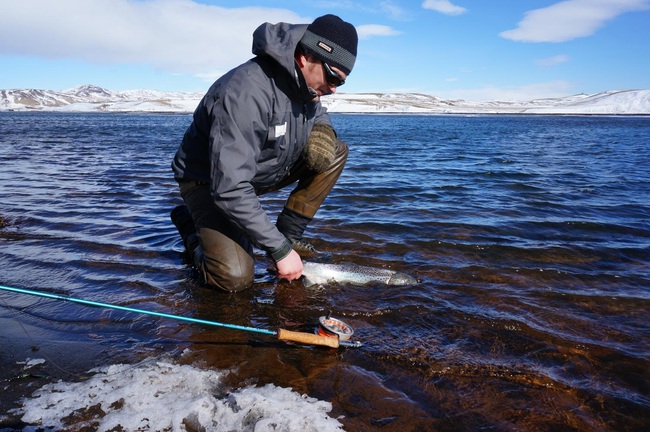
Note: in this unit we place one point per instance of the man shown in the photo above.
(259, 128)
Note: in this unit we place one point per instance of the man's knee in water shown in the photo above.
(230, 282)
(224, 264)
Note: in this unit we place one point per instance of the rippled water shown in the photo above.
(530, 236)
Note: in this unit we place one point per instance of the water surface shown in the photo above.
(529, 235)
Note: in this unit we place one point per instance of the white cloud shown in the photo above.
(552, 61)
(443, 6)
(395, 12)
(570, 19)
(370, 30)
(179, 36)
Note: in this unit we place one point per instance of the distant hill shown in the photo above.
(89, 98)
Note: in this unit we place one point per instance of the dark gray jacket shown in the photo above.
(250, 129)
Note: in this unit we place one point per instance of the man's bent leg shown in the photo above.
(304, 201)
(222, 262)
(314, 187)
(224, 256)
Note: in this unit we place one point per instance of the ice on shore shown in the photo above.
(160, 395)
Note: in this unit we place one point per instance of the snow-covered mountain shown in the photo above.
(92, 98)
(89, 98)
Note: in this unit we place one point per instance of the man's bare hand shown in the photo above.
(290, 267)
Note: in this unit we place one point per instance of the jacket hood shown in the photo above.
(279, 42)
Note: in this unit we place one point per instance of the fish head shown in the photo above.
(401, 279)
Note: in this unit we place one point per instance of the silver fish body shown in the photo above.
(318, 274)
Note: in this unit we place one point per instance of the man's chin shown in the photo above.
(315, 93)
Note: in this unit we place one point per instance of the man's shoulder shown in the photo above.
(247, 78)
(243, 90)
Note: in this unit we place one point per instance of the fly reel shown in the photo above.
(333, 327)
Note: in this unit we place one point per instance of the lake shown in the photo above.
(529, 237)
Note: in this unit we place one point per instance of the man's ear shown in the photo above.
(301, 59)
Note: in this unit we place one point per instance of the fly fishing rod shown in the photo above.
(329, 340)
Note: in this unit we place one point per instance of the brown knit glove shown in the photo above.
(320, 150)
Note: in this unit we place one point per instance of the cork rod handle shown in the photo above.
(308, 338)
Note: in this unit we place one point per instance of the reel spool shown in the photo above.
(332, 327)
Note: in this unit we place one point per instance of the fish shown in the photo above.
(319, 274)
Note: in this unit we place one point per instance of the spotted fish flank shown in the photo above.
(318, 274)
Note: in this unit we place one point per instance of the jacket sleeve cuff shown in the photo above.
(281, 252)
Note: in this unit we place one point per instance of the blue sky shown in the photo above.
(454, 49)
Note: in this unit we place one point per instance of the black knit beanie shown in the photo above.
(333, 41)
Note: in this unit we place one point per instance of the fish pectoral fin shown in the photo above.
(309, 283)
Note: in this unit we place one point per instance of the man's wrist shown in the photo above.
(281, 252)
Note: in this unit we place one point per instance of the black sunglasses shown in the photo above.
(332, 77)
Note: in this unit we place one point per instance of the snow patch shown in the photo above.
(160, 395)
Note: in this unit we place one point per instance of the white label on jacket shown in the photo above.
(280, 130)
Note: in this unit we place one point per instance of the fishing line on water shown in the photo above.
(335, 334)
(34, 347)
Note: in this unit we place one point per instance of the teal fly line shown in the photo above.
(140, 311)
